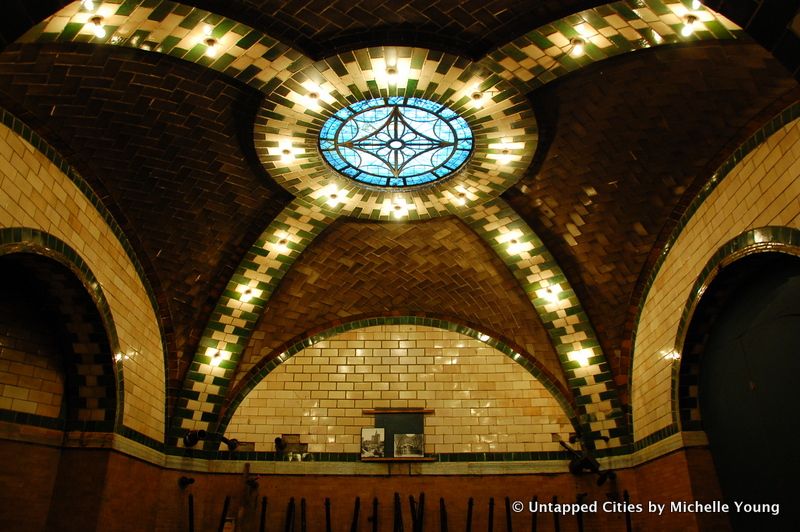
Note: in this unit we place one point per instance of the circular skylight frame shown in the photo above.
(396, 142)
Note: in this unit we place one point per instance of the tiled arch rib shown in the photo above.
(235, 315)
(583, 361)
(179, 31)
(544, 54)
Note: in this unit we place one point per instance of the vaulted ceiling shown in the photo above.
(624, 144)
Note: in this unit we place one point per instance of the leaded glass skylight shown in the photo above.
(396, 141)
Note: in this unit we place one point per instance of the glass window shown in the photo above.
(396, 142)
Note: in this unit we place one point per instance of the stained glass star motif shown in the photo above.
(396, 142)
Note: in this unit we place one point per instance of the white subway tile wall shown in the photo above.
(483, 400)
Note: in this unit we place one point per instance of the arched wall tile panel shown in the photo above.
(483, 400)
(35, 192)
(759, 186)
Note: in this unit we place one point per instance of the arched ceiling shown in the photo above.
(167, 145)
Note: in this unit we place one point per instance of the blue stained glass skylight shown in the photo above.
(396, 142)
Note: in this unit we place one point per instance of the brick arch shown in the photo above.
(310, 338)
(686, 368)
(95, 384)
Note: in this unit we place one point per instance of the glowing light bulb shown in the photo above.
(287, 155)
(211, 47)
(391, 74)
(88, 5)
(696, 4)
(689, 26)
(334, 198)
(247, 295)
(97, 27)
(581, 357)
(578, 47)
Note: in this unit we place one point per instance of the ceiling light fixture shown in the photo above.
(696, 4)
(287, 152)
(479, 97)
(551, 292)
(88, 5)
(689, 26)
(211, 47)
(581, 357)
(247, 295)
(97, 27)
(282, 246)
(578, 47)
(400, 208)
(505, 156)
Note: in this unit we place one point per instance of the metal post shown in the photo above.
(224, 513)
(509, 525)
(327, 514)
(191, 513)
(354, 524)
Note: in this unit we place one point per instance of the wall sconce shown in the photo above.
(191, 438)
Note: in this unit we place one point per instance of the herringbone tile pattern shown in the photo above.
(360, 269)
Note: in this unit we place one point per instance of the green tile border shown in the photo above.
(233, 320)
(568, 326)
(281, 355)
(543, 55)
(269, 456)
